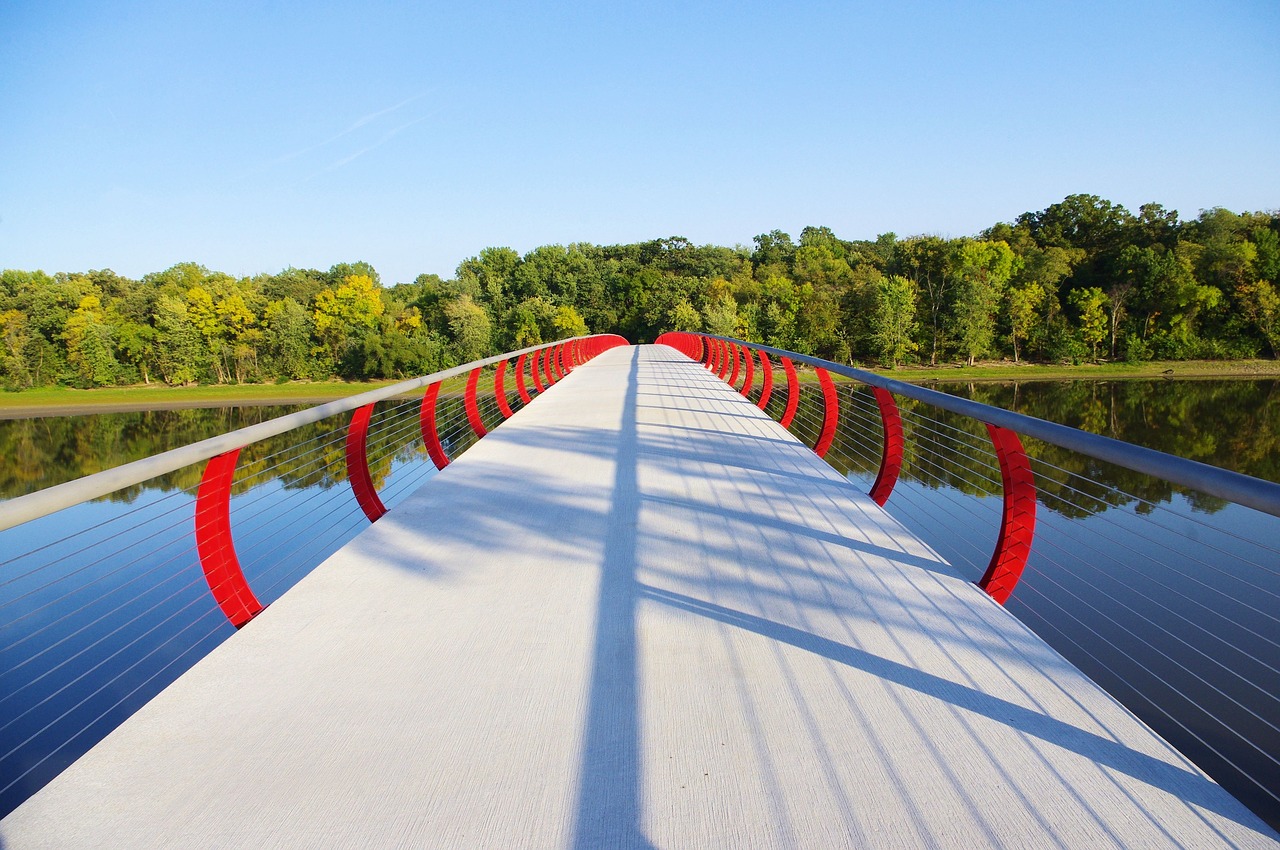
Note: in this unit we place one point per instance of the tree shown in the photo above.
(894, 319)
(568, 323)
(286, 339)
(720, 316)
(91, 344)
(982, 270)
(684, 317)
(927, 261)
(344, 312)
(1025, 305)
(469, 327)
(1091, 303)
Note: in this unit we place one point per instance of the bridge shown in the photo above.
(639, 612)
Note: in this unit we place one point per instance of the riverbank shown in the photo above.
(1009, 371)
(63, 401)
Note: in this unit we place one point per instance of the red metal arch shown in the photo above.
(724, 359)
(766, 381)
(214, 545)
(535, 370)
(830, 412)
(891, 451)
(358, 464)
(547, 356)
(469, 402)
(750, 380)
(520, 387)
(500, 390)
(427, 421)
(1018, 523)
(737, 363)
(793, 392)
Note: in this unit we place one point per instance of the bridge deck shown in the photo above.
(637, 614)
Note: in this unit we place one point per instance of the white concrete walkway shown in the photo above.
(637, 614)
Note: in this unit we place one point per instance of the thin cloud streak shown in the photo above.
(360, 122)
(388, 136)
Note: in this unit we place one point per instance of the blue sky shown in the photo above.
(250, 136)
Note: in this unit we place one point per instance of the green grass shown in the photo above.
(293, 391)
(1008, 371)
(300, 391)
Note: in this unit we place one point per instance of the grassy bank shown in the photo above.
(1009, 371)
(156, 396)
(64, 400)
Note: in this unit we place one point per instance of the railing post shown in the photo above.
(724, 360)
(427, 421)
(469, 402)
(358, 464)
(547, 357)
(766, 381)
(830, 412)
(750, 380)
(891, 450)
(214, 545)
(500, 390)
(1018, 522)
(793, 392)
(737, 364)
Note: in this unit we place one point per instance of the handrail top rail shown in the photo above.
(1256, 493)
(31, 506)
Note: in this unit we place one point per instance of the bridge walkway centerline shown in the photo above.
(637, 614)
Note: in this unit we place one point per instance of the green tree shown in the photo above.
(91, 344)
(347, 311)
(894, 319)
(469, 327)
(1091, 304)
(983, 269)
(1026, 305)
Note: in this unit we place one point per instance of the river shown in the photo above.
(1164, 597)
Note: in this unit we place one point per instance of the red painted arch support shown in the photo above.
(1018, 523)
(548, 356)
(766, 381)
(749, 381)
(535, 370)
(793, 393)
(724, 360)
(500, 390)
(520, 387)
(830, 412)
(358, 464)
(214, 545)
(469, 402)
(737, 363)
(891, 450)
(427, 421)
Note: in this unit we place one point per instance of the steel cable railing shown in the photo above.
(100, 612)
(1169, 607)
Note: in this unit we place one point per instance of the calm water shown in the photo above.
(1163, 597)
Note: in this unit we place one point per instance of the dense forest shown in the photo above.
(1084, 279)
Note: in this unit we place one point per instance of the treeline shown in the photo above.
(1083, 279)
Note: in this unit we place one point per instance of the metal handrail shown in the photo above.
(1235, 487)
(31, 506)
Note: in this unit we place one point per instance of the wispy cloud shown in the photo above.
(352, 157)
(363, 121)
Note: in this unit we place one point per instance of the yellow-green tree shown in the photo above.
(342, 313)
